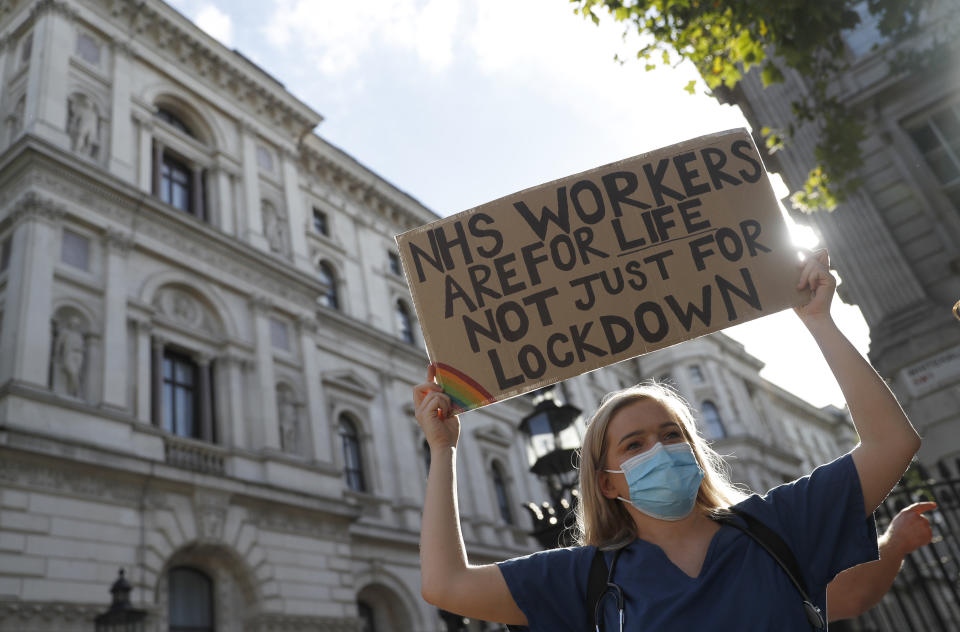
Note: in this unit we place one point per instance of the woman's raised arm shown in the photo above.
(887, 440)
(447, 580)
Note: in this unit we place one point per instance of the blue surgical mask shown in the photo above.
(663, 481)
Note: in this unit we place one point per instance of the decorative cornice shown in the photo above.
(53, 6)
(260, 304)
(263, 96)
(308, 323)
(362, 190)
(118, 241)
(34, 207)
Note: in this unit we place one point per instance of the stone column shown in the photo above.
(6, 49)
(266, 382)
(198, 202)
(156, 165)
(145, 156)
(296, 211)
(205, 397)
(25, 340)
(121, 124)
(253, 230)
(220, 180)
(117, 246)
(236, 368)
(316, 402)
(144, 387)
(156, 381)
(46, 105)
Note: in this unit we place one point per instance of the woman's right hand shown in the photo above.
(432, 409)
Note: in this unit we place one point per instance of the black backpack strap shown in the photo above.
(771, 542)
(596, 585)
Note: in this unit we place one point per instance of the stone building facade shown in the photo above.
(207, 350)
(896, 241)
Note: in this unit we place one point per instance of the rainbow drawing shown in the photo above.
(465, 393)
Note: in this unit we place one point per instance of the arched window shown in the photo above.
(190, 600)
(711, 421)
(329, 278)
(352, 460)
(178, 180)
(174, 121)
(365, 611)
(180, 386)
(404, 322)
(500, 488)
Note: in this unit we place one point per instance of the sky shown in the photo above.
(460, 102)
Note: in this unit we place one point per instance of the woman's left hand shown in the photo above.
(815, 276)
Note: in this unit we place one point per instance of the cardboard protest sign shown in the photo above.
(598, 267)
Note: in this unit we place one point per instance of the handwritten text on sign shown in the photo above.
(579, 273)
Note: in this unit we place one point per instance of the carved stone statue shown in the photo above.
(289, 424)
(69, 352)
(274, 228)
(83, 125)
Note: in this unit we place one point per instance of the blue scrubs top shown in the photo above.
(740, 587)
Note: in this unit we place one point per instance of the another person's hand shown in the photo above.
(432, 409)
(815, 276)
(910, 529)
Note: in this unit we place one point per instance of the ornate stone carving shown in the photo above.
(32, 206)
(118, 241)
(183, 309)
(288, 414)
(210, 510)
(83, 125)
(274, 227)
(69, 355)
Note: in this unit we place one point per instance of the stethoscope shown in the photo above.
(814, 615)
(611, 589)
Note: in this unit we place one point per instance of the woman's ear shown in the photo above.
(607, 485)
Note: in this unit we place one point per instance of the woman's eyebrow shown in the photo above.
(640, 433)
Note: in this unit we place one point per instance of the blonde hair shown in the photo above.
(604, 522)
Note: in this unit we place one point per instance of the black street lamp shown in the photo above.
(122, 616)
(552, 442)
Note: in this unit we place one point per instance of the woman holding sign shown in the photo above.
(680, 546)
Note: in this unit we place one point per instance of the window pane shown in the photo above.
(167, 406)
(947, 124)
(320, 221)
(191, 600)
(924, 138)
(943, 166)
(278, 334)
(75, 250)
(500, 488)
(184, 373)
(185, 416)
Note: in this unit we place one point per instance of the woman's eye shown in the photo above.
(673, 435)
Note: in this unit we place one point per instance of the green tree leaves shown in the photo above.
(726, 38)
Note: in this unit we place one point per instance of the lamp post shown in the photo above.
(552, 442)
(122, 616)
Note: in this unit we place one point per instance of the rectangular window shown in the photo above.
(180, 395)
(176, 186)
(320, 222)
(278, 335)
(394, 262)
(696, 374)
(937, 136)
(75, 250)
